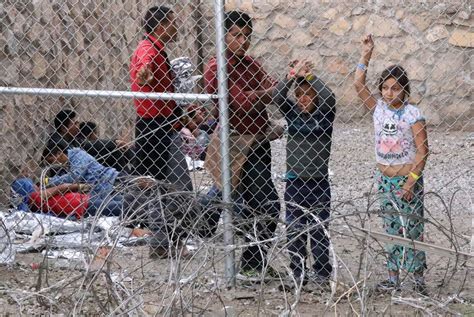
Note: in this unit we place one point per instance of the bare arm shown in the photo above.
(422, 151)
(421, 144)
(61, 189)
(360, 75)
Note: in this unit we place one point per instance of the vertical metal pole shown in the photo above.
(224, 136)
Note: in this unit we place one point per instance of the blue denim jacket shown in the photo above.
(83, 168)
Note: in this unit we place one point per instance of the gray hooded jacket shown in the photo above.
(309, 134)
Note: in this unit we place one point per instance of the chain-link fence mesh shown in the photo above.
(113, 205)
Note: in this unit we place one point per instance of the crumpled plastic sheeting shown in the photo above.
(40, 230)
(28, 223)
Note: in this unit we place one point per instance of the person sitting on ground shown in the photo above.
(89, 131)
(66, 131)
(83, 168)
(63, 200)
(69, 200)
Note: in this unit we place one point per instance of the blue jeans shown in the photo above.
(314, 194)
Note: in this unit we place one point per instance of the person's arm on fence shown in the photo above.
(361, 71)
(280, 95)
(326, 110)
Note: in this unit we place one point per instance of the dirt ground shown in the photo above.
(130, 282)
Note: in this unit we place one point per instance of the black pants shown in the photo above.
(314, 194)
(256, 208)
(258, 192)
(153, 138)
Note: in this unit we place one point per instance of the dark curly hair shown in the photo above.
(154, 17)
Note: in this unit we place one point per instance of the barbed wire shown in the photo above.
(180, 289)
(76, 55)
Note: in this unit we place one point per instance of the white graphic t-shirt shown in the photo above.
(394, 140)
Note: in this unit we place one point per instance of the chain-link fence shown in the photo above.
(142, 177)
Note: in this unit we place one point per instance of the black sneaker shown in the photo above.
(420, 288)
(318, 282)
(292, 283)
(317, 278)
(387, 286)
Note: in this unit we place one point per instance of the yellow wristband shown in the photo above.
(414, 176)
(46, 181)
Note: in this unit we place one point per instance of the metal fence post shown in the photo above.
(224, 136)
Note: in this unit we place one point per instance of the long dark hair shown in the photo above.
(398, 73)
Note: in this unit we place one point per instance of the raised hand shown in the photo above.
(367, 47)
(300, 68)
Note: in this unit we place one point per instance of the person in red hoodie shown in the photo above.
(158, 151)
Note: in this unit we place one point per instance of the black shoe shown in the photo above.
(254, 275)
(291, 283)
(420, 288)
(387, 286)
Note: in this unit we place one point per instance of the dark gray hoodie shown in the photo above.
(309, 134)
